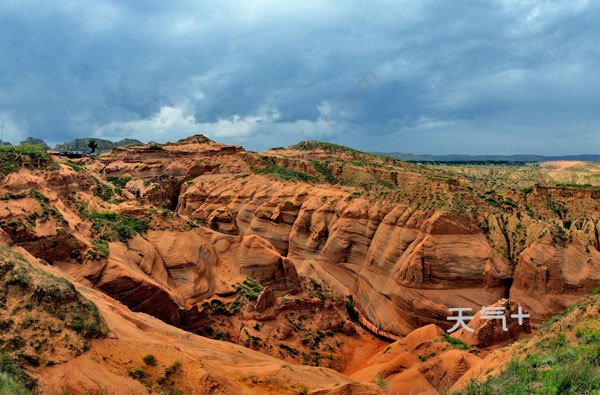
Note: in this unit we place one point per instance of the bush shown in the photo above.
(150, 360)
(381, 383)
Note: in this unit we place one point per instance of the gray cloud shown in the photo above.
(461, 76)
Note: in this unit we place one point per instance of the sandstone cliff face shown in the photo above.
(406, 267)
(168, 274)
(550, 277)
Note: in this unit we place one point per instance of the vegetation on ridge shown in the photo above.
(13, 158)
(564, 359)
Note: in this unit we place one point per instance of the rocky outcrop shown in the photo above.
(168, 274)
(265, 300)
(35, 141)
(551, 276)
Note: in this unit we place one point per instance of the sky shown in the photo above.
(425, 77)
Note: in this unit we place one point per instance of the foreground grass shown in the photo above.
(41, 321)
(564, 360)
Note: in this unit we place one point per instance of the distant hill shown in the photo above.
(103, 145)
(5, 144)
(503, 158)
(35, 141)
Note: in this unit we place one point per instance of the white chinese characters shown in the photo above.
(487, 313)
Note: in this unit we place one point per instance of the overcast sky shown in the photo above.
(474, 77)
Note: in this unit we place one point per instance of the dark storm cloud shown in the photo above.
(459, 76)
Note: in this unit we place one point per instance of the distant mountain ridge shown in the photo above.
(35, 141)
(507, 158)
(103, 145)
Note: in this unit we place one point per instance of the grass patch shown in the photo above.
(119, 181)
(574, 185)
(380, 381)
(555, 366)
(112, 226)
(13, 378)
(323, 170)
(74, 166)
(455, 343)
(24, 156)
(281, 172)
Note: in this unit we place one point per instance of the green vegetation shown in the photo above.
(557, 363)
(53, 305)
(381, 383)
(88, 328)
(104, 191)
(249, 289)
(100, 249)
(574, 185)
(112, 226)
(323, 170)
(560, 368)
(170, 371)
(13, 196)
(74, 166)
(291, 351)
(456, 343)
(546, 325)
(312, 145)
(119, 181)
(150, 360)
(13, 378)
(215, 306)
(527, 191)
(24, 156)
(317, 289)
(351, 311)
(281, 172)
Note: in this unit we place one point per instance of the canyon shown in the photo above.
(212, 256)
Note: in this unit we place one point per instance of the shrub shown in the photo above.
(380, 382)
(11, 196)
(138, 374)
(150, 360)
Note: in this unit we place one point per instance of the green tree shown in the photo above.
(93, 145)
